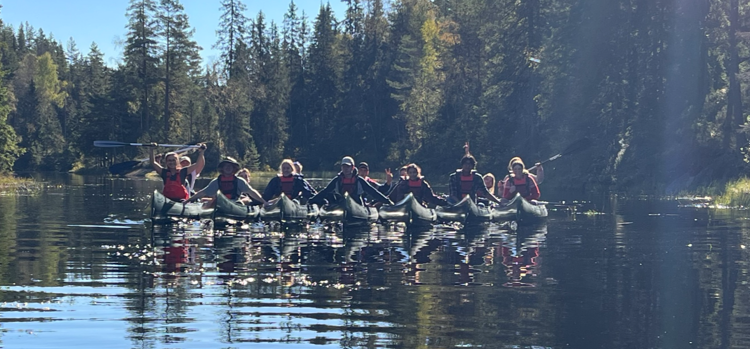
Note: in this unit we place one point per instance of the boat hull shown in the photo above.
(163, 209)
(349, 212)
(409, 211)
(228, 209)
(286, 209)
(466, 212)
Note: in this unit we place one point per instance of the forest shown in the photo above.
(660, 87)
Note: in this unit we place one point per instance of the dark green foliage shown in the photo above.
(659, 87)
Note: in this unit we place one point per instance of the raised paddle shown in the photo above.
(115, 144)
(574, 147)
(127, 166)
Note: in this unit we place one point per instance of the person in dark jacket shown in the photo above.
(363, 170)
(348, 181)
(289, 183)
(417, 185)
(467, 182)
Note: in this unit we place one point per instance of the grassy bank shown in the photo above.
(736, 193)
(10, 185)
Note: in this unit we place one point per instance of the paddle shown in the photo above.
(115, 144)
(127, 166)
(574, 147)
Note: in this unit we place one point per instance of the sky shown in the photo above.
(104, 21)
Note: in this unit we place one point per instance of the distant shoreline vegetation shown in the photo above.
(736, 193)
(10, 185)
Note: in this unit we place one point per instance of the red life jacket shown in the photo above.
(173, 185)
(287, 185)
(415, 187)
(523, 185)
(348, 185)
(467, 185)
(228, 186)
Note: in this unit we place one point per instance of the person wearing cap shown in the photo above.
(190, 180)
(289, 183)
(418, 186)
(173, 174)
(228, 183)
(467, 182)
(520, 181)
(348, 181)
(363, 169)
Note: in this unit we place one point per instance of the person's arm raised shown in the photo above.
(155, 165)
(198, 166)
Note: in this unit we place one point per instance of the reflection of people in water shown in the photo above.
(175, 254)
(519, 266)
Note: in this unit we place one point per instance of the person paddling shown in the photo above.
(228, 184)
(288, 183)
(418, 186)
(538, 177)
(520, 181)
(173, 174)
(348, 181)
(467, 182)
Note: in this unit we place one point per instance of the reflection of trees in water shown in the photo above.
(8, 241)
(720, 260)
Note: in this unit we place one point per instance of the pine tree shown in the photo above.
(231, 33)
(141, 57)
(270, 98)
(181, 63)
(9, 148)
(323, 77)
(294, 44)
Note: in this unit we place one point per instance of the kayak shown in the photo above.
(226, 208)
(286, 209)
(466, 212)
(163, 209)
(520, 210)
(349, 212)
(408, 210)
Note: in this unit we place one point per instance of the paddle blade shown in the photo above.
(123, 167)
(581, 144)
(109, 144)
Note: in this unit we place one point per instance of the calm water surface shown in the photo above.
(81, 266)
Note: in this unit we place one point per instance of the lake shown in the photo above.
(81, 266)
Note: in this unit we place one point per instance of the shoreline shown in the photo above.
(13, 185)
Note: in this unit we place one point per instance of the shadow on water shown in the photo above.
(81, 264)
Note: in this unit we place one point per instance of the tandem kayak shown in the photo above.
(226, 208)
(522, 211)
(163, 209)
(349, 212)
(286, 209)
(408, 210)
(466, 212)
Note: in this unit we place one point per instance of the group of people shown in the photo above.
(233, 182)
(179, 176)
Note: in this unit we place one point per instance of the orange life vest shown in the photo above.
(467, 184)
(287, 185)
(228, 187)
(348, 185)
(523, 185)
(415, 187)
(173, 185)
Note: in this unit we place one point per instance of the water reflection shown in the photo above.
(80, 264)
